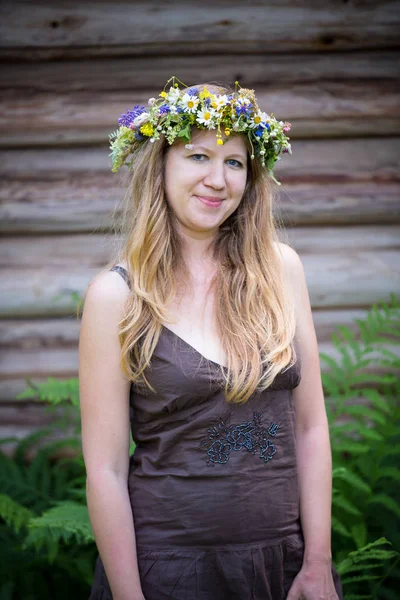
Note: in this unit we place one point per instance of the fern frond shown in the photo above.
(350, 477)
(362, 556)
(66, 522)
(359, 578)
(338, 527)
(389, 473)
(338, 500)
(54, 391)
(387, 502)
(15, 515)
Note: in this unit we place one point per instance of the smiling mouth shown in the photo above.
(210, 200)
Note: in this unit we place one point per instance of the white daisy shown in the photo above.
(258, 119)
(190, 103)
(206, 117)
(173, 95)
(219, 102)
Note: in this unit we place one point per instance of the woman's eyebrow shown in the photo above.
(234, 154)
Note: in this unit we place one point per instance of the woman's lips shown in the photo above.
(210, 201)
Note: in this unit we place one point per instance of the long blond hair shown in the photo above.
(254, 311)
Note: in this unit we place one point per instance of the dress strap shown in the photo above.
(123, 272)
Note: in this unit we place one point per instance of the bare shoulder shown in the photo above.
(107, 289)
(292, 265)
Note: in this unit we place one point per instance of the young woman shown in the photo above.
(199, 337)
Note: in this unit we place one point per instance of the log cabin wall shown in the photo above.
(70, 69)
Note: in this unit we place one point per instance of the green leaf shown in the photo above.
(338, 500)
(387, 502)
(14, 514)
(389, 473)
(359, 578)
(359, 534)
(339, 528)
(350, 477)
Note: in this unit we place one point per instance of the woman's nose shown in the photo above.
(215, 176)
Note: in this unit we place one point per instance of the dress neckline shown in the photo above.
(175, 335)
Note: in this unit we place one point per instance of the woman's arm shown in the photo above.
(314, 460)
(104, 398)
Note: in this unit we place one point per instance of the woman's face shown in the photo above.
(205, 184)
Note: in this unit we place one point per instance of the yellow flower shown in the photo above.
(257, 120)
(147, 129)
(163, 94)
(227, 132)
(220, 142)
(204, 94)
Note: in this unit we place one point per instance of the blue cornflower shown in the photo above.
(164, 109)
(259, 131)
(193, 92)
(139, 136)
(127, 118)
(243, 110)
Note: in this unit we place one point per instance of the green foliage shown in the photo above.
(364, 417)
(55, 391)
(45, 531)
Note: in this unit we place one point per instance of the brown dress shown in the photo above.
(213, 486)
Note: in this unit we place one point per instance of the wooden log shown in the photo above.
(85, 203)
(320, 110)
(101, 29)
(63, 333)
(357, 278)
(93, 251)
(26, 414)
(337, 160)
(350, 266)
(13, 381)
(145, 72)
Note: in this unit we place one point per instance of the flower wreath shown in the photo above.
(176, 111)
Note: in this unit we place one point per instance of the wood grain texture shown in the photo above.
(92, 251)
(354, 279)
(142, 73)
(315, 110)
(37, 349)
(316, 161)
(345, 267)
(55, 30)
(86, 203)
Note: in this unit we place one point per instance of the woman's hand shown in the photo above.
(313, 582)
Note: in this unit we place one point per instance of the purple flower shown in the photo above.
(164, 109)
(127, 118)
(193, 92)
(244, 109)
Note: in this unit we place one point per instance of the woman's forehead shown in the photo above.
(208, 139)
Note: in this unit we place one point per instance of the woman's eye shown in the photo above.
(199, 157)
(237, 163)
